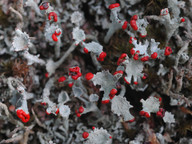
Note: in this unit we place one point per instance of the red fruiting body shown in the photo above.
(147, 115)
(142, 113)
(81, 109)
(48, 113)
(93, 127)
(160, 99)
(57, 111)
(121, 58)
(85, 50)
(144, 76)
(136, 57)
(168, 51)
(105, 101)
(57, 34)
(54, 37)
(130, 40)
(54, 15)
(161, 110)
(132, 51)
(135, 17)
(23, 116)
(182, 20)
(89, 76)
(46, 75)
(41, 7)
(62, 79)
(78, 114)
(12, 108)
(117, 72)
(142, 36)
(135, 83)
(113, 91)
(112, 6)
(110, 137)
(70, 85)
(126, 81)
(85, 135)
(44, 6)
(132, 120)
(102, 55)
(111, 96)
(75, 72)
(133, 25)
(159, 114)
(145, 58)
(43, 103)
(124, 26)
(100, 59)
(154, 55)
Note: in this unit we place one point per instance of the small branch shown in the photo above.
(183, 49)
(179, 79)
(14, 139)
(37, 120)
(19, 25)
(167, 92)
(10, 117)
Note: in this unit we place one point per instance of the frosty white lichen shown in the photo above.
(64, 111)
(168, 118)
(107, 81)
(78, 35)
(21, 41)
(171, 24)
(121, 106)
(132, 68)
(150, 105)
(116, 22)
(76, 17)
(98, 136)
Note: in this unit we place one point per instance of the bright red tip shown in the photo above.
(147, 115)
(132, 120)
(154, 55)
(46, 75)
(89, 76)
(142, 113)
(124, 26)
(54, 15)
(120, 71)
(134, 25)
(54, 37)
(182, 20)
(168, 51)
(23, 116)
(70, 85)
(112, 6)
(57, 111)
(102, 55)
(135, 83)
(105, 101)
(85, 50)
(62, 79)
(113, 91)
(145, 58)
(85, 135)
(81, 109)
